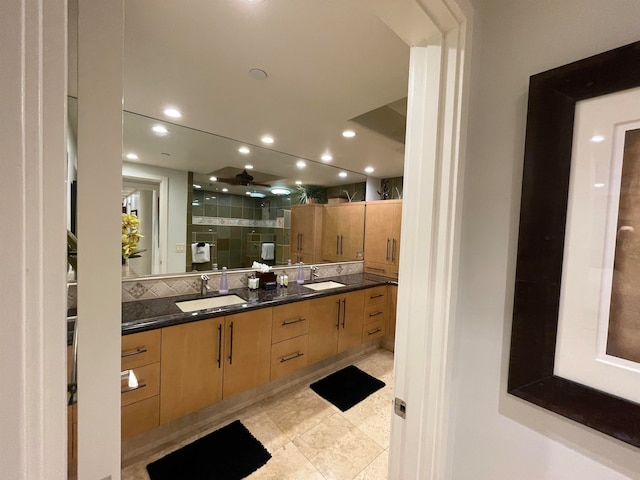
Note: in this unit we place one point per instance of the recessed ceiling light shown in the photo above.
(326, 157)
(280, 191)
(267, 139)
(213, 179)
(195, 185)
(348, 134)
(195, 202)
(301, 164)
(257, 195)
(298, 182)
(342, 174)
(598, 185)
(160, 130)
(597, 138)
(225, 189)
(249, 167)
(132, 156)
(369, 169)
(248, 193)
(172, 112)
(244, 150)
(258, 74)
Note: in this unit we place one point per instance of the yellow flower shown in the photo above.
(130, 235)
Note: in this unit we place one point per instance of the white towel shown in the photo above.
(200, 254)
(268, 251)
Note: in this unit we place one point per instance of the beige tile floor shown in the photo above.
(311, 439)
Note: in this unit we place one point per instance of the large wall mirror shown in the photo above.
(238, 71)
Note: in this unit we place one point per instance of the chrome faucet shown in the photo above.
(314, 272)
(204, 284)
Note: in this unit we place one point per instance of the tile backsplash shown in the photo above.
(145, 288)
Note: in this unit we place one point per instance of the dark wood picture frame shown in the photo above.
(545, 188)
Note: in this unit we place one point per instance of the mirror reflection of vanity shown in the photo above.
(167, 175)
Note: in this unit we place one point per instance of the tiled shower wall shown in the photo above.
(189, 284)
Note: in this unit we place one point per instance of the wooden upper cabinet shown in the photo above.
(192, 364)
(247, 357)
(343, 232)
(306, 232)
(382, 237)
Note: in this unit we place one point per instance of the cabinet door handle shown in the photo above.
(376, 269)
(377, 296)
(291, 357)
(341, 244)
(131, 389)
(388, 241)
(375, 314)
(131, 353)
(301, 242)
(373, 332)
(344, 311)
(393, 251)
(337, 244)
(291, 322)
(219, 345)
(231, 345)
(338, 316)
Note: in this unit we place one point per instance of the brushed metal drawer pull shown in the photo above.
(372, 332)
(291, 357)
(291, 322)
(137, 351)
(377, 296)
(376, 269)
(131, 389)
(375, 314)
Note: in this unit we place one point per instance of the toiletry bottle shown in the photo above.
(224, 285)
(300, 273)
(289, 262)
(285, 280)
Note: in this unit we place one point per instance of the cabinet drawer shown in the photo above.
(373, 331)
(375, 313)
(140, 417)
(376, 295)
(289, 356)
(148, 384)
(140, 349)
(290, 321)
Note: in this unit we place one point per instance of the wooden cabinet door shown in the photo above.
(191, 374)
(396, 224)
(330, 233)
(247, 359)
(300, 226)
(352, 231)
(393, 305)
(323, 327)
(377, 239)
(351, 320)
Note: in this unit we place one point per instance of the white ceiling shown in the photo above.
(328, 61)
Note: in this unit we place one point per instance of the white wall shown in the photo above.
(177, 211)
(496, 436)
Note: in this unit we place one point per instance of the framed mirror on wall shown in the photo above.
(574, 343)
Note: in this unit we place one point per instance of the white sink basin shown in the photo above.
(207, 303)
(323, 285)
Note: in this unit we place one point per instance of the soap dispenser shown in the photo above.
(300, 272)
(224, 285)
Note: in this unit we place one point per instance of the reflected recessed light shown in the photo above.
(132, 156)
(257, 195)
(195, 185)
(597, 138)
(369, 169)
(326, 157)
(267, 139)
(598, 185)
(301, 164)
(195, 202)
(160, 130)
(348, 134)
(213, 179)
(225, 189)
(249, 167)
(298, 182)
(172, 112)
(342, 174)
(280, 191)
(244, 150)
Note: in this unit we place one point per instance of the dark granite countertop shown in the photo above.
(142, 315)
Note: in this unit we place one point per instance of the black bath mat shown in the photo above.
(230, 453)
(347, 387)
